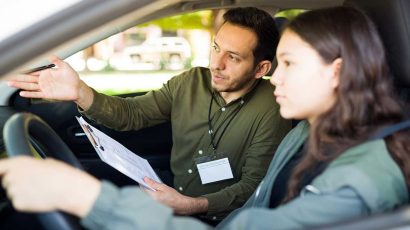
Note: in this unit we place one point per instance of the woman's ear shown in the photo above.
(336, 67)
(262, 68)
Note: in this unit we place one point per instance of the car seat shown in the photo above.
(392, 19)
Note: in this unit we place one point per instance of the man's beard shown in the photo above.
(236, 86)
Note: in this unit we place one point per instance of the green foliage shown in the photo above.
(289, 14)
(196, 20)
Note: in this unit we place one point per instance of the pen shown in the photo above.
(39, 68)
(93, 138)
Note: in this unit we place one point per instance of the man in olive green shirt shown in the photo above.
(225, 124)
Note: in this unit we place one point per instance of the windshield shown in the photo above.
(16, 15)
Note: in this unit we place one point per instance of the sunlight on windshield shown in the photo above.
(16, 15)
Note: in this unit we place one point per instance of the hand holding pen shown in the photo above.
(40, 68)
(60, 83)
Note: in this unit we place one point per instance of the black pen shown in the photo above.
(93, 138)
(39, 68)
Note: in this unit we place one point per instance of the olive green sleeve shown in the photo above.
(133, 113)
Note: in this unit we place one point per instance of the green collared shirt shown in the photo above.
(249, 140)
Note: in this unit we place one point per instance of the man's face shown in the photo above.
(232, 60)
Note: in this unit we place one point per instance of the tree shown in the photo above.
(195, 20)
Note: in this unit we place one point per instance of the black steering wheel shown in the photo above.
(21, 133)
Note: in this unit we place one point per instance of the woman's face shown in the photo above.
(305, 86)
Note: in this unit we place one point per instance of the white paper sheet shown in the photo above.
(116, 155)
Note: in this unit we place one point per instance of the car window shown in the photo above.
(288, 13)
(144, 57)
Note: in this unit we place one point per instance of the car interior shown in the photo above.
(52, 130)
(392, 19)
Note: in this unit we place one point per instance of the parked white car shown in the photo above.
(162, 52)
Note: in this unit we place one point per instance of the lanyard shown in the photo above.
(210, 128)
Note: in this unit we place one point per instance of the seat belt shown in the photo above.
(389, 130)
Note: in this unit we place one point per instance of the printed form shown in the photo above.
(117, 156)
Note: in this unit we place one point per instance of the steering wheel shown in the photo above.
(21, 132)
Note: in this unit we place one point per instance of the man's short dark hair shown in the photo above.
(262, 24)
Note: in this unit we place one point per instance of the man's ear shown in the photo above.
(262, 68)
(336, 67)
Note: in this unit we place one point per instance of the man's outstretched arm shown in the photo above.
(60, 83)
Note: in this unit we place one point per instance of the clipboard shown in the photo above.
(117, 156)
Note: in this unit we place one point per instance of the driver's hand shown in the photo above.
(35, 185)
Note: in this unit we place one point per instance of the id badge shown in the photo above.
(214, 168)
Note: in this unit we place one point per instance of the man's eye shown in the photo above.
(233, 58)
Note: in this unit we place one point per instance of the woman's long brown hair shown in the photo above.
(365, 99)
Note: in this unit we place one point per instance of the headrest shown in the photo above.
(392, 18)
